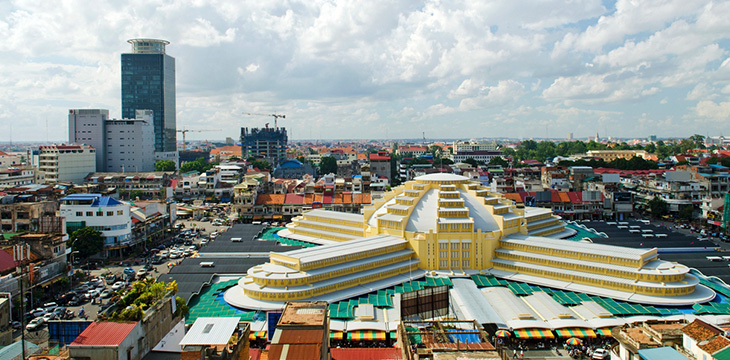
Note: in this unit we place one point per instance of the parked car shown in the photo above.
(83, 288)
(118, 285)
(34, 324)
(600, 354)
(142, 272)
(48, 317)
(60, 311)
(157, 260)
(38, 312)
(107, 293)
(129, 271)
(49, 307)
(203, 242)
(110, 279)
(76, 300)
(92, 294)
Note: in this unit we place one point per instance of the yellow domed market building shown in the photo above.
(445, 224)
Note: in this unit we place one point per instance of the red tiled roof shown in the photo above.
(6, 261)
(294, 199)
(377, 157)
(718, 343)
(270, 199)
(514, 196)
(365, 354)
(699, 330)
(574, 198)
(104, 333)
(564, 197)
(301, 336)
(296, 351)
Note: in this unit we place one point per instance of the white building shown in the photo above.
(479, 151)
(122, 144)
(16, 176)
(10, 160)
(102, 213)
(131, 143)
(66, 163)
(463, 146)
(87, 126)
(230, 174)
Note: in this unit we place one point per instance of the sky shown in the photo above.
(380, 69)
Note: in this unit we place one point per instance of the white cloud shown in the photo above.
(353, 69)
(713, 111)
(203, 34)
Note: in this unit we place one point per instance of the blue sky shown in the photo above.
(377, 69)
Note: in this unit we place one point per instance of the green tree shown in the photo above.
(711, 161)
(200, 165)
(499, 161)
(87, 242)
(686, 212)
(725, 161)
(165, 165)
(471, 162)
(328, 165)
(658, 207)
(261, 164)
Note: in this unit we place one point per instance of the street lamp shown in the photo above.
(71, 269)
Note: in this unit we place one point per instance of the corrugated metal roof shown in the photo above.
(211, 331)
(104, 333)
(365, 354)
(287, 336)
(295, 352)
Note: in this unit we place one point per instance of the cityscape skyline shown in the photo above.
(383, 70)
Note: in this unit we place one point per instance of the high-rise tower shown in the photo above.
(148, 82)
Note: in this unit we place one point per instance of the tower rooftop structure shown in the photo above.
(148, 46)
(446, 224)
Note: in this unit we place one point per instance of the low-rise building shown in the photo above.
(20, 213)
(133, 185)
(66, 163)
(17, 176)
(107, 215)
(303, 329)
(646, 335)
(216, 338)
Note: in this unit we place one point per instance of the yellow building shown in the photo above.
(611, 155)
(446, 224)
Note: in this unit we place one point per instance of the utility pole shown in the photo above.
(21, 254)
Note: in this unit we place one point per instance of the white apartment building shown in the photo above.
(66, 163)
(469, 146)
(10, 160)
(86, 126)
(121, 144)
(16, 176)
(229, 174)
(105, 214)
(130, 143)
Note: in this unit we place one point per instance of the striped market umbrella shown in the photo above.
(574, 341)
(502, 333)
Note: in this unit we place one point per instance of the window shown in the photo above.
(465, 254)
(465, 245)
(454, 254)
(79, 213)
(465, 263)
(110, 213)
(454, 263)
(443, 254)
(455, 246)
(89, 213)
(443, 263)
(443, 246)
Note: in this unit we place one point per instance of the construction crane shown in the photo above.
(185, 131)
(276, 117)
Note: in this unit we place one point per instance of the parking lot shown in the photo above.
(91, 304)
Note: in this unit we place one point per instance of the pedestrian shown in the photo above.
(514, 353)
(522, 354)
